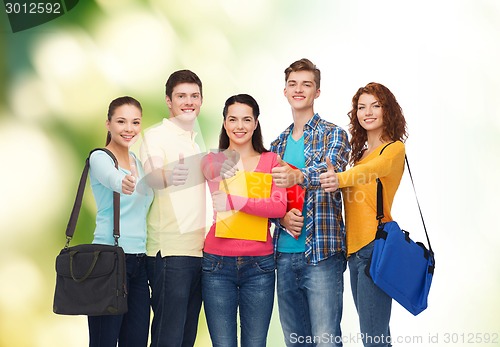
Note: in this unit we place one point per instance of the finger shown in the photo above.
(133, 168)
(281, 162)
(234, 156)
(181, 158)
(129, 180)
(329, 164)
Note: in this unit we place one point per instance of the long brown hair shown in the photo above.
(394, 123)
(257, 141)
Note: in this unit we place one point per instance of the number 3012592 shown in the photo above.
(32, 8)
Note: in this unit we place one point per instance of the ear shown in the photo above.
(256, 124)
(168, 101)
(284, 91)
(318, 92)
(107, 124)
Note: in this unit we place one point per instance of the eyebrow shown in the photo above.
(294, 81)
(182, 93)
(375, 102)
(123, 118)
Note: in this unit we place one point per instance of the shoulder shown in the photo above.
(282, 136)
(393, 149)
(100, 156)
(269, 156)
(156, 130)
(330, 131)
(321, 124)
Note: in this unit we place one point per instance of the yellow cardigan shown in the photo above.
(359, 189)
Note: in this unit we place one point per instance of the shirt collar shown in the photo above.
(314, 121)
(178, 130)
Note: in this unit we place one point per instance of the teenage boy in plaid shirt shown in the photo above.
(310, 244)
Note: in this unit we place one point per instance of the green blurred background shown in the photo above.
(440, 58)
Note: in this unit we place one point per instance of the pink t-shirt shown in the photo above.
(272, 207)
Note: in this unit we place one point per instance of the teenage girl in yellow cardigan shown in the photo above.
(376, 121)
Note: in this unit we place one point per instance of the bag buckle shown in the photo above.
(68, 239)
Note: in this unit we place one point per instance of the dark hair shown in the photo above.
(257, 141)
(123, 100)
(394, 123)
(181, 76)
(304, 65)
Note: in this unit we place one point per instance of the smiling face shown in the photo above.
(240, 124)
(370, 113)
(301, 90)
(185, 102)
(125, 125)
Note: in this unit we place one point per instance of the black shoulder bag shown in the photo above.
(91, 278)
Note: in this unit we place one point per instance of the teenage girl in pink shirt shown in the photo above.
(239, 275)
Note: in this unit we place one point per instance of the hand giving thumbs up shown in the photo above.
(180, 172)
(329, 180)
(285, 176)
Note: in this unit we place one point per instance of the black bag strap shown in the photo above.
(380, 200)
(70, 229)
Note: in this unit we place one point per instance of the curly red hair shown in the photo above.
(394, 127)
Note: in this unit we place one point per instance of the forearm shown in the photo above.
(104, 170)
(272, 207)
(158, 178)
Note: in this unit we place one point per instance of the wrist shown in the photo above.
(299, 177)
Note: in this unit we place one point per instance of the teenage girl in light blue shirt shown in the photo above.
(124, 125)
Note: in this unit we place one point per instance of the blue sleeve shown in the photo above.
(102, 168)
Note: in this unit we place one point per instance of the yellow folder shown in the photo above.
(240, 225)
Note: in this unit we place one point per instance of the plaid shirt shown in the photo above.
(324, 224)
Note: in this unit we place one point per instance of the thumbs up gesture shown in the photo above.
(180, 172)
(128, 184)
(285, 176)
(329, 180)
(229, 166)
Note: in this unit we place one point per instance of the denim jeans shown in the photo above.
(175, 283)
(130, 329)
(373, 305)
(310, 299)
(244, 283)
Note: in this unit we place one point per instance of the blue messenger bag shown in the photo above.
(402, 268)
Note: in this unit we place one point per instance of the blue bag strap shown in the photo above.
(380, 200)
(70, 229)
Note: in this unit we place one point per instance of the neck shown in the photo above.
(245, 151)
(186, 125)
(300, 118)
(374, 139)
(121, 153)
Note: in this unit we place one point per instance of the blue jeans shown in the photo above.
(130, 329)
(310, 299)
(175, 283)
(373, 305)
(244, 283)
